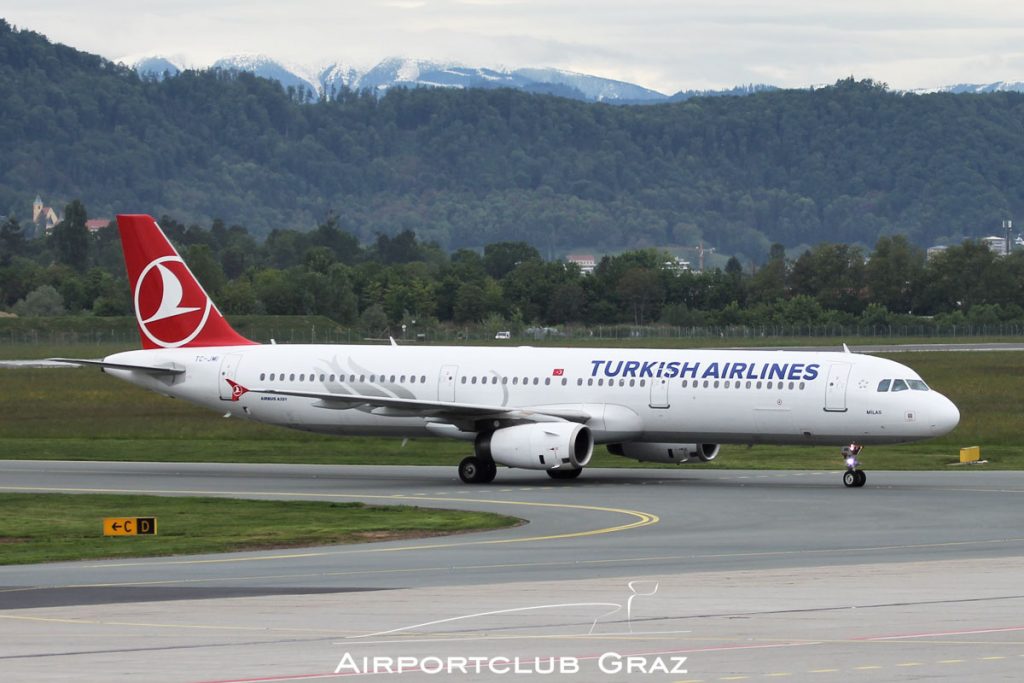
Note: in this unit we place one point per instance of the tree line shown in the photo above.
(401, 280)
(848, 163)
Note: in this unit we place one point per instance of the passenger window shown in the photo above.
(643, 382)
(291, 377)
(262, 377)
(884, 385)
(600, 382)
(515, 380)
(547, 381)
(463, 379)
(564, 381)
(632, 382)
(271, 377)
(899, 385)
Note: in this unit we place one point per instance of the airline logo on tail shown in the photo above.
(160, 284)
(170, 305)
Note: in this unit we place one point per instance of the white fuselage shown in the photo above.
(642, 395)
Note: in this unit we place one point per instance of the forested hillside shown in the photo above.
(847, 163)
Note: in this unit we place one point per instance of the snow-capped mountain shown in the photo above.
(392, 72)
(156, 67)
(593, 87)
(260, 65)
(403, 72)
(998, 86)
(337, 76)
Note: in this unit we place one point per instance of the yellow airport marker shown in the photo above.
(970, 454)
(129, 526)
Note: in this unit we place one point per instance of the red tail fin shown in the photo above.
(170, 305)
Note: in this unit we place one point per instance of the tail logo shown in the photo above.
(168, 314)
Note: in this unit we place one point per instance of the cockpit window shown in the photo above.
(917, 385)
(884, 385)
(899, 385)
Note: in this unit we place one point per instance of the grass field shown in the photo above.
(81, 414)
(56, 527)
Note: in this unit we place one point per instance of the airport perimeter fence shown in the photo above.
(125, 333)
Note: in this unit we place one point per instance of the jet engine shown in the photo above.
(665, 452)
(539, 446)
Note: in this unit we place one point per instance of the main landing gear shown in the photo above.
(853, 477)
(477, 470)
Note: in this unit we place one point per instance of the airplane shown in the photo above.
(531, 408)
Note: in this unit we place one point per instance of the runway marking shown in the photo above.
(940, 634)
(642, 519)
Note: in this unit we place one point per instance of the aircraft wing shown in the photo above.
(445, 410)
(169, 369)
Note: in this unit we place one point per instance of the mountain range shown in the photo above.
(392, 72)
(325, 81)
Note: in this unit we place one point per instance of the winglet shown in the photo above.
(846, 349)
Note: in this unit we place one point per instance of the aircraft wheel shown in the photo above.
(850, 478)
(469, 470)
(474, 470)
(862, 478)
(565, 474)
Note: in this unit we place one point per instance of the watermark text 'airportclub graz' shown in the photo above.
(610, 663)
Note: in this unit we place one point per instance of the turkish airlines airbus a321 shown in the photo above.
(532, 408)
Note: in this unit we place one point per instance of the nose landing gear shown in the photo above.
(853, 477)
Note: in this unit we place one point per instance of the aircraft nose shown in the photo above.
(946, 416)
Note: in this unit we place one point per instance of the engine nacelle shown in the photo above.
(665, 452)
(539, 446)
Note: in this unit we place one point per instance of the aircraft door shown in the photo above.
(228, 370)
(835, 390)
(446, 383)
(659, 392)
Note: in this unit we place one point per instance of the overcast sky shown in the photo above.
(661, 44)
